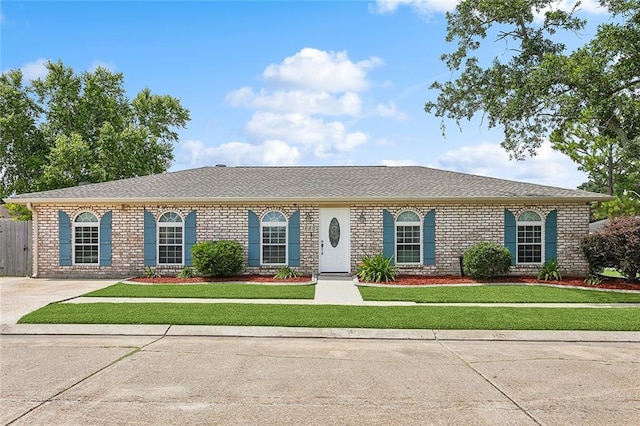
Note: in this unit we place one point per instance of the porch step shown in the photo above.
(338, 289)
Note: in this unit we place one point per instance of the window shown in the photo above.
(274, 239)
(408, 238)
(85, 239)
(170, 238)
(529, 241)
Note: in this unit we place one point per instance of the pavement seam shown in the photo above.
(73, 385)
(490, 382)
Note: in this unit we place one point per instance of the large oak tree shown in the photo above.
(586, 101)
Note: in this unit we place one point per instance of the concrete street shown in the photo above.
(251, 380)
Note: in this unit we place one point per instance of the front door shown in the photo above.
(334, 240)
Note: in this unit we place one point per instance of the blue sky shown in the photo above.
(282, 83)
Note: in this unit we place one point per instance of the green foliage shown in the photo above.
(217, 258)
(486, 260)
(18, 211)
(584, 100)
(616, 246)
(377, 269)
(593, 279)
(286, 273)
(186, 272)
(549, 271)
(149, 272)
(68, 128)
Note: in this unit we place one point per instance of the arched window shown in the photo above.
(85, 239)
(408, 238)
(170, 239)
(273, 244)
(530, 237)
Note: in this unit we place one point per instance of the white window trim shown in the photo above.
(172, 225)
(419, 223)
(286, 238)
(542, 236)
(73, 237)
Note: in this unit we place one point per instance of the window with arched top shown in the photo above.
(273, 244)
(170, 239)
(530, 237)
(408, 238)
(86, 239)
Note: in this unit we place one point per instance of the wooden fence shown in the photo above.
(15, 248)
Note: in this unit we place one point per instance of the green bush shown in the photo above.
(486, 260)
(286, 273)
(549, 271)
(186, 272)
(217, 258)
(377, 269)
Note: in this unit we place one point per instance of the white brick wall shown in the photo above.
(458, 226)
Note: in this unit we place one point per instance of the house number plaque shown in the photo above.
(334, 232)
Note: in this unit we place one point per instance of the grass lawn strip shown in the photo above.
(340, 316)
(207, 291)
(495, 294)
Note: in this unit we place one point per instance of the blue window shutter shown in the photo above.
(189, 237)
(388, 235)
(254, 239)
(429, 238)
(294, 239)
(149, 239)
(510, 234)
(64, 239)
(105, 239)
(551, 235)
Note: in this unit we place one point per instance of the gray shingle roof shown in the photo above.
(307, 183)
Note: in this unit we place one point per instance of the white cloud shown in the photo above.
(305, 130)
(390, 110)
(588, 6)
(422, 7)
(305, 102)
(34, 70)
(319, 70)
(106, 65)
(194, 153)
(549, 167)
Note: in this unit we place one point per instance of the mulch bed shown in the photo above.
(408, 280)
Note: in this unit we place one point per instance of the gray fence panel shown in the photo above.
(15, 248)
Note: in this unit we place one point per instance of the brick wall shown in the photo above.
(457, 227)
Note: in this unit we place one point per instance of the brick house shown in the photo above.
(314, 219)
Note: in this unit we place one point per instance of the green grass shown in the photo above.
(401, 317)
(208, 291)
(496, 294)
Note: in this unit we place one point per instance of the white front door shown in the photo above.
(334, 240)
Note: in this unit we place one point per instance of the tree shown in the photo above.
(585, 101)
(65, 129)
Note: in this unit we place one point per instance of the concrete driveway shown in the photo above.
(240, 380)
(19, 296)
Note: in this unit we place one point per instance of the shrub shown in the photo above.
(149, 272)
(486, 260)
(286, 273)
(377, 268)
(616, 246)
(217, 258)
(549, 271)
(187, 272)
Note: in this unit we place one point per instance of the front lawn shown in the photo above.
(340, 316)
(495, 294)
(207, 291)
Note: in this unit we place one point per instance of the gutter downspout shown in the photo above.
(34, 239)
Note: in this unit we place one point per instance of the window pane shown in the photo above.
(408, 217)
(170, 254)
(530, 253)
(409, 254)
(274, 254)
(169, 243)
(408, 244)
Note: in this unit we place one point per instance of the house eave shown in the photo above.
(311, 200)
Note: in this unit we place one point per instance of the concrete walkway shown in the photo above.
(337, 290)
